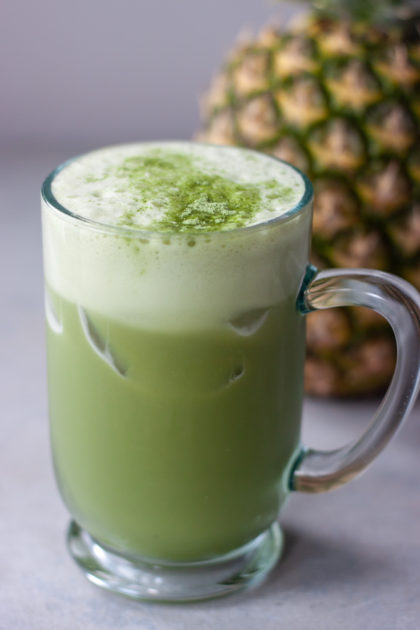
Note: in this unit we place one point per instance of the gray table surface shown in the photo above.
(352, 557)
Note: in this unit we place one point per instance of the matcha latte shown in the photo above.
(175, 351)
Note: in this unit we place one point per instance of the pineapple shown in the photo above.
(338, 95)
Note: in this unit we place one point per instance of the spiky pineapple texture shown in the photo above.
(379, 11)
(340, 99)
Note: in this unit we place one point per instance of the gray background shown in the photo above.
(71, 81)
(84, 73)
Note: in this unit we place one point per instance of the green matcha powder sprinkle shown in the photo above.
(195, 201)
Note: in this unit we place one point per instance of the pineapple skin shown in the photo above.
(341, 101)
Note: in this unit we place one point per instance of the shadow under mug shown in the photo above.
(175, 378)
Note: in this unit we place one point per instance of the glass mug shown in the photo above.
(175, 416)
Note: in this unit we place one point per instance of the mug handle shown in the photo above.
(399, 303)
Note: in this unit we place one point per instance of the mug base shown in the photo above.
(149, 581)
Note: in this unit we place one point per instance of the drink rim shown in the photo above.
(141, 232)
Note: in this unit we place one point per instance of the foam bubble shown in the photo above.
(172, 281)
(119, 185)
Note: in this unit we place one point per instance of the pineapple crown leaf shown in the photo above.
(366, 10)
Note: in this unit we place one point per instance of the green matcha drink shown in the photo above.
(175, 351)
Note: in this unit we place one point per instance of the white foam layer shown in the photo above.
(90, 186)
(185, 282)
